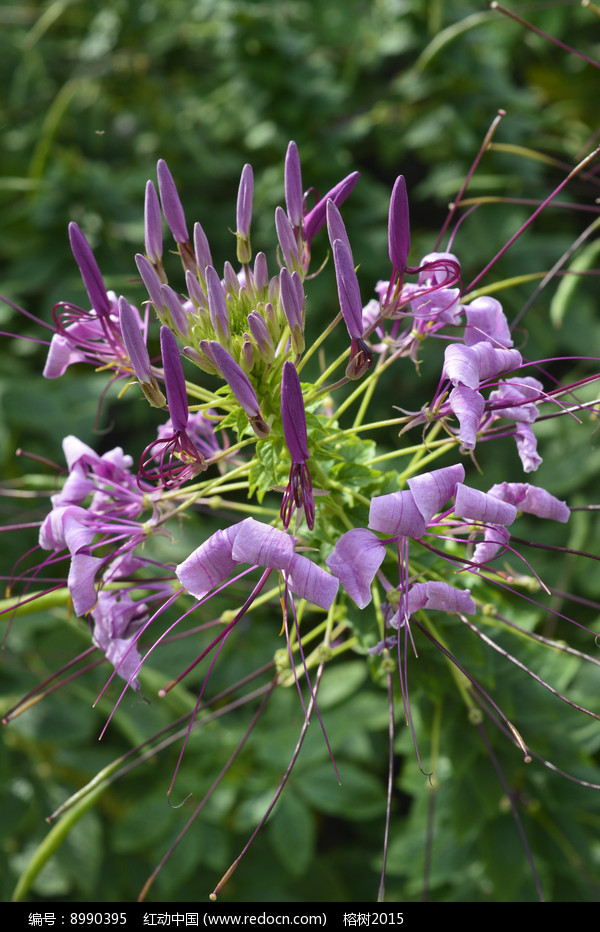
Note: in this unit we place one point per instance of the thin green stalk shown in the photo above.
(306, 356)
(53, 841)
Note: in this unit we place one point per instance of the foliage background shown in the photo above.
(91, 98)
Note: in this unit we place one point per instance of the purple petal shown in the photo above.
(527, 447)
(355, 560)
(81, 582)
(486, 321)
(479, 506)
(493, 361)
(292, 414)
(495, 539)
(531, 499)
(520, 395)
(66, 526)
(434, 489)
(61, 355)
(461, 366)
(396, 514)
(310, 582)
(468, 406)
(90, 273)
(439, 596)
(260, 543)
(210, 564)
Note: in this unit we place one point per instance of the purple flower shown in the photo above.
(86, 336)
(117, 619)
(359, 553)
(298, 493)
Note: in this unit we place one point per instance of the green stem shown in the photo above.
(55, 838)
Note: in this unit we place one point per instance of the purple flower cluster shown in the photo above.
(96, 522)
(417, 513)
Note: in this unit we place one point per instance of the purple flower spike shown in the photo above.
(244, 214)
(90, 273)
(315, 218)
(299, 488)
(153, 225)
(174, 380)
(171, 204)
(240, 385)
(398, 226)
(292, 183)
(361, 357)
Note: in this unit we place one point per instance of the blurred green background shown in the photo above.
(91, 98)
